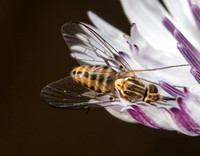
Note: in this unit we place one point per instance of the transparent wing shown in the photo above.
(88, 47)
(68, 94)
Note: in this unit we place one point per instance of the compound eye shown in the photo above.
(153, 89)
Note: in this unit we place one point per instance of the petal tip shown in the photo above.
(176, 32)
(89, 12)
(133, 25)
(161, 82)
(179, 99)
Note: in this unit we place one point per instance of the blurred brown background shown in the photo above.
(33, 54)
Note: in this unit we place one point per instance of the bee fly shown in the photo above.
(94, 86)
(103, 80)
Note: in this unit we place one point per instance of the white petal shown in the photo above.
(116, 112)
(168, 118)
(160, 116)
(144, 60)
(193, 107)
(181, 12)
(197, 2)
(148, 15)
(147, 56)
(111, 33)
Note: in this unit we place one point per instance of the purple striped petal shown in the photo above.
(189, 52)
(178, 118)
(170, 89)
(191, 58)
(168, 24)
(196, 13)
(181, 39)
(139, 115)
(196, 74)
(183, 118)
(179, 36)
(124, 55)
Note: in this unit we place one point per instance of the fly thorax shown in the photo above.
(134, 88)
(119, 84)
(130, 88)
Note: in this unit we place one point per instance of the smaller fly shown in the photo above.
(103, 80)
(94, 86)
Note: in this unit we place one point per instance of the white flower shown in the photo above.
(150, 45)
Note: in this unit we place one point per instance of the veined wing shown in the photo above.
(68, 94)
(88, 47)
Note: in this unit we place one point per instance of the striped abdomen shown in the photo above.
(96, 78)
(130, 89)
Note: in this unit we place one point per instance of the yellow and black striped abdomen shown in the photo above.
(96, 78)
